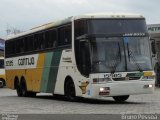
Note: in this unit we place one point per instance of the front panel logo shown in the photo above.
(117, 75)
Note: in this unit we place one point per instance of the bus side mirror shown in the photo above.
(153, 46)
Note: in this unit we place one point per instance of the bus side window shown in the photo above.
(7, 45)
(20, 45)
(39, 41)
(80, 27)
(29, 45)
(36, 42)
(64, 35)
(50, 39)
(10, 48)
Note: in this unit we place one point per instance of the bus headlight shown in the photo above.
(104, 91)
(101, 80)
(148, 86)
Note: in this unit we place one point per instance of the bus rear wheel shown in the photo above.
(17, 87)
(23, 89)
(121, 98)
(70, 90)
(26, 93)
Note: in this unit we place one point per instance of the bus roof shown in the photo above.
(65, 21)
(109, 15)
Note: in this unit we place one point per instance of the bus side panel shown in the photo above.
(54, 70)
(46, 70)
(37, 73)
(10, 77)
(67, 68)
(28, 79)
(50, 71)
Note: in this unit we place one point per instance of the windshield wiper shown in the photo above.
(117, 59)
(131, 55)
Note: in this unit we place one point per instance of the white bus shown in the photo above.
(91, 56)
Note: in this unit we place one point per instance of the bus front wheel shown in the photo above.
(70, 90)
(121, 98)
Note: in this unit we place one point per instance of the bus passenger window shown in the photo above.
(20, 45)
(64, 35)
(10, 47)
(50, 38)
(39, 41)
(29, 45)
(36, 42)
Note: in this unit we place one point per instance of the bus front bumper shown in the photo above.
(122, 88)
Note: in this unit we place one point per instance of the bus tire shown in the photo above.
(2, 83)
(23, 88)
(121, 98)
(70, 90)
(25, 92)
(17, 87)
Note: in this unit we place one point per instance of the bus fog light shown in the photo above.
(148, 86)
(104, 91)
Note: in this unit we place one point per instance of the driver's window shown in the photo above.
(85, 59)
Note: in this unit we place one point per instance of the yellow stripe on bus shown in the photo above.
(37, 73)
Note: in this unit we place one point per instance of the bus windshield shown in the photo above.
(112, 27)
(119, 54)
(117, 26)
(112, 45)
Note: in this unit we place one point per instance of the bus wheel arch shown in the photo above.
(69, 89)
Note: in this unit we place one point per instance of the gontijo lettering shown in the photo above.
(26, 61)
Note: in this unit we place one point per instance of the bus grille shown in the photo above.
(126, 78)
